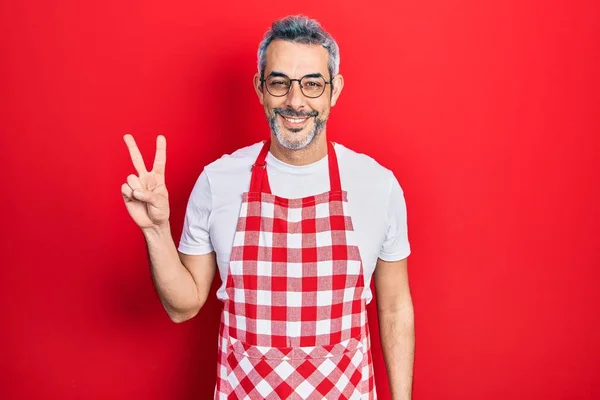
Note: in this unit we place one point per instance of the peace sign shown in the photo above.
(145, 194)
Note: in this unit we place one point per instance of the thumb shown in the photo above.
(144, 195)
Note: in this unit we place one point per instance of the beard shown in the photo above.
(291, 143)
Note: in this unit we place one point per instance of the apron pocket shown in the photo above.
(331, 371)
(294, 353)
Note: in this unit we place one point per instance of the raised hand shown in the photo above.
(145, 195)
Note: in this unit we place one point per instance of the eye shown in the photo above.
(313, 84)
(277, 83)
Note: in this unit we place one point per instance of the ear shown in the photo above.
(258, 87)
(338, 85)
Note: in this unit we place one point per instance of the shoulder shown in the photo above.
(360, 168)
(229, 174)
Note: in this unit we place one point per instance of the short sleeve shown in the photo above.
(396, 245)
(195, 238)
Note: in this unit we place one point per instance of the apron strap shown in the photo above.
(259, 183)
(334, 170)
(259, 178)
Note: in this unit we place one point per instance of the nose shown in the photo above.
(295, 98)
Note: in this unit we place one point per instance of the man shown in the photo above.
(296, 226)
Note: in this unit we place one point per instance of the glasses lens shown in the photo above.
(278, 85)
(313, 87)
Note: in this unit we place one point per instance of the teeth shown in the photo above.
(294, 121)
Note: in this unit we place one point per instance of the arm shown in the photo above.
(396, 325)
(182, 281)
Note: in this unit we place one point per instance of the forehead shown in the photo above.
(296, 59)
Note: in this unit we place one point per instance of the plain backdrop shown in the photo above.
(486, 111)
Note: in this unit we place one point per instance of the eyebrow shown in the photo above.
(282, 75)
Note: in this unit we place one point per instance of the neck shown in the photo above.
(314, 152)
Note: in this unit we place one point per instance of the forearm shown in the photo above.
(397, 334)
(175, 285)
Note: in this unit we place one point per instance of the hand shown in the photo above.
(145, 195)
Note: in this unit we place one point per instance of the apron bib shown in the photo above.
(294, 324)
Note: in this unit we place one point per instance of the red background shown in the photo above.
(488, 113)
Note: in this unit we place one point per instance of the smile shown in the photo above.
(294, 122)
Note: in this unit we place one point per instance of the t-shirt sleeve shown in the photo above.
(195, 238)
(396, 245)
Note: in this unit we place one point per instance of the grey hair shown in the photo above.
(300, 29)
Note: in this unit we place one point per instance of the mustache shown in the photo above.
(287, 112)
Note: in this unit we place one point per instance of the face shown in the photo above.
(296, 120)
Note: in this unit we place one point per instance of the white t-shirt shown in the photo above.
(375, 202)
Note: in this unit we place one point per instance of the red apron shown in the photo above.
(294, 324)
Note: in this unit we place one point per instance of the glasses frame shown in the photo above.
(263, 80)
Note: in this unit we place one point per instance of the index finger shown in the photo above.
(160, 159)
(136, 156)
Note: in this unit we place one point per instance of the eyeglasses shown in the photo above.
(279, 85)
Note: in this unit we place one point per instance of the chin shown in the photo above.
(295, 140)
